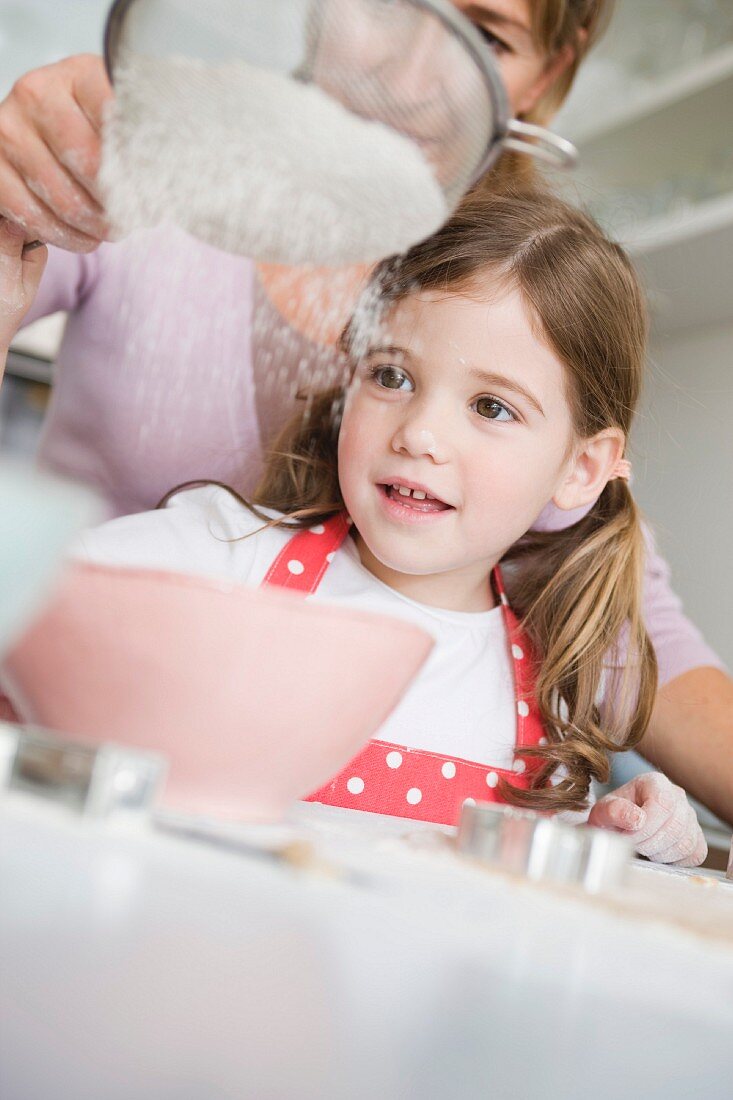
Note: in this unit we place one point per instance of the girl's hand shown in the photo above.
(19, 279)
(658, 818)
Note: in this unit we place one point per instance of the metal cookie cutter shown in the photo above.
(98, 781)
(542, 848)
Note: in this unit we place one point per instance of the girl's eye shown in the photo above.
(497, 44)
(491, 409)
(391, 378)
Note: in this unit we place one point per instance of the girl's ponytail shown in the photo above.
(579, 592)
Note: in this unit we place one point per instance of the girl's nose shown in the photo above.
(416, 437)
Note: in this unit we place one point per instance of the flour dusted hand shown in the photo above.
(657, 816)
(49, 153)
(19, 279)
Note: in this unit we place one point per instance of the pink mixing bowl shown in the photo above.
(255, 697)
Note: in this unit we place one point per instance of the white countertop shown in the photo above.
(150, 966)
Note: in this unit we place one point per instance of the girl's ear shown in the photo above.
(589, 469)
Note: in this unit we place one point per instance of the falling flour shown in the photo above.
(259, 164)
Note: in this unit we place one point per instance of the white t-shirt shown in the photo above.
(460, 704)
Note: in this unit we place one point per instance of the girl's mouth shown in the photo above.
(413, 500)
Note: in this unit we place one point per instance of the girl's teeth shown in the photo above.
(416, 494)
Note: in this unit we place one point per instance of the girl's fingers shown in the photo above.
(698, 854)
(681, 842)
(688, 854)
(613, 812)
(657, 816)
(676, 839)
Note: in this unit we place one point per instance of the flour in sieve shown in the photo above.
(253, 162)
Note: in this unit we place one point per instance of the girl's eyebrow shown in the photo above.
(477, 13)
(489, 379)
(387, 349)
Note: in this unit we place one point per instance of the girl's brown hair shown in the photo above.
(578, 590)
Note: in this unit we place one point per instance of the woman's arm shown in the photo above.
(691, 733)
(691, 736)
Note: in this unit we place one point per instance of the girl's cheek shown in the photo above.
(353, 407)
(349, 433)
(352, 448)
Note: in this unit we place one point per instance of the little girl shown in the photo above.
(493, 369)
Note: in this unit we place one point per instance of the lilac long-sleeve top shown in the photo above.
(171, 367)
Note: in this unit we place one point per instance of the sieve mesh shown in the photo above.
(416, 65)
(328, 131)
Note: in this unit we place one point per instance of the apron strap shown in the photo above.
(524, 664)
(304, 559)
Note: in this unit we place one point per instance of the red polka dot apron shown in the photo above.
(394, 779)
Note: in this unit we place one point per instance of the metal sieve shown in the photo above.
(418, 67)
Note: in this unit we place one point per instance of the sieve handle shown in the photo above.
(536, 141)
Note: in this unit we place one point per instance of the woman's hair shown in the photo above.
(556, 24)
(578, 590)
(560, 23)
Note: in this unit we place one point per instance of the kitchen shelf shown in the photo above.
(701, 219)
(669, 146)
(686, 142)
(706, 72)
(686, 260)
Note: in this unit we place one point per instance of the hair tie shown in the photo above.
(622, 469)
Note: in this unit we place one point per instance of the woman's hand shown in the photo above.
(658, 818)
(50, 148)
(19, 279)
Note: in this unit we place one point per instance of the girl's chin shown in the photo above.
(383, 562)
